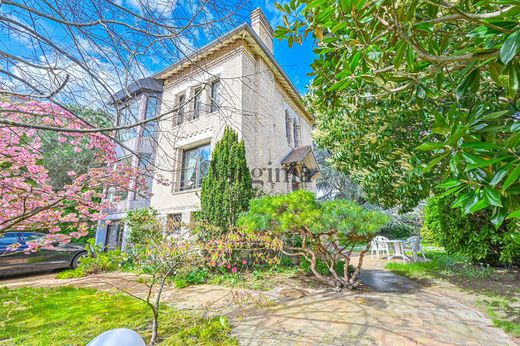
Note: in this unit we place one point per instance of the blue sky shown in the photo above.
(295, 60)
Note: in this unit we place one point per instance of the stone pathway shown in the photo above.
(395, 311)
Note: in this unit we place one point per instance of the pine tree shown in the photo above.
(227, 189)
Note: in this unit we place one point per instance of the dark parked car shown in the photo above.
(20, 262)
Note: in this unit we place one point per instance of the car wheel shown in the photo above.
(77, 260)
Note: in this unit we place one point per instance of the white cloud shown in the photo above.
(273, 14)
(164, 7)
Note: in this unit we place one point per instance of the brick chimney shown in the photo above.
(262, 28)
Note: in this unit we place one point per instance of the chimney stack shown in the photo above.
(262, 28)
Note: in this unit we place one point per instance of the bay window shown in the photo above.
(195, 166)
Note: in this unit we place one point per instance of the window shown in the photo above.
(180, 109)
(215, 95)
(117, 194)
(9, 239)
(151, 112)
(197, 103)
(174, 222)
(129, 115)
(145, 160)
(114, 235)
(195, 165)
(288, 130)
(296, 128)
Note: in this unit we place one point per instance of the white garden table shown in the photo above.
(398, 249)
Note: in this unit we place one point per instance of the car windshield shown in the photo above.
(8, 239)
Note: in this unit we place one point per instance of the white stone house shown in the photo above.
(234, 81)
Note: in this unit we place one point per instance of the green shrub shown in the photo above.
(227, 188)
(196, 276)
(470, 235)
(144, 224)
(98, 261)
(396, 230)
(318, 231)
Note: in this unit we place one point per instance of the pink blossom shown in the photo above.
(244, 261)
(228, 266)
(25, 189)
(234, 270)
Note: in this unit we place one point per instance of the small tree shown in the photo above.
(327, 232)
(160, 252)
(227, 189)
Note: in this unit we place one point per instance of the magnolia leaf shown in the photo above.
(481, 204)
(499, 175)
(512, 178)
(498, 216)
(449, 183)
(355, 61)
(398, 59)
(484, 163)
(480, 145)
(430, 146)
(492, 197)
(510, 48)
(434, 162)
(494, 115)
(515, 214)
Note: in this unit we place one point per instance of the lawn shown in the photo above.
(498, 289)
(73, 316)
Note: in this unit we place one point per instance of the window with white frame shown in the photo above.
(152, 106)
(215, 95)
(128, 115)
(197, 103)
(181, 101)
(174, 222)
(195, 166)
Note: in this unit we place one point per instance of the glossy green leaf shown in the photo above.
(512, 178)
(492, 197)
(430, 146)
(510, 48)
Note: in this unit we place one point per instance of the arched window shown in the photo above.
(296, 128)
(288, 126)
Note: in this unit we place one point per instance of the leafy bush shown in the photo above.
(144, 224)
(318, 231)
(196, 276)
(396, 230)
(471, 235)
(98, 261)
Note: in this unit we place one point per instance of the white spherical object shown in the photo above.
(118, 337)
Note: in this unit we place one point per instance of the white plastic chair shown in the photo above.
(379, 245)
(413, 244)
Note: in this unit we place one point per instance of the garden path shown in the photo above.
(392, 311)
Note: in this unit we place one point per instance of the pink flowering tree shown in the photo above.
(27, 199)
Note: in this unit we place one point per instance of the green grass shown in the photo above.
(74, 316)
(498, 289)
(502, 314)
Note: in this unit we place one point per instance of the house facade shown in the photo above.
(233, 82)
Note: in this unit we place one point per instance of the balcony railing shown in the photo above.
(192, 114)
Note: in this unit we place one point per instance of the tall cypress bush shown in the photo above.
(227, 189)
